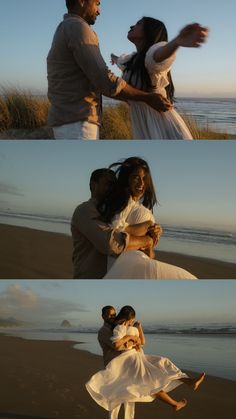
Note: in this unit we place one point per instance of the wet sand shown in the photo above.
(45, 380)
(33, 254)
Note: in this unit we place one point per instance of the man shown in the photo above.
(109, 352)
(93, 239)
(78, 76)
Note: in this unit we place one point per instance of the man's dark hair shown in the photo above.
(70, 4)
(106, 309)
(99, 173)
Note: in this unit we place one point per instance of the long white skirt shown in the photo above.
(148, 124)
(135, 264)
(133, 377)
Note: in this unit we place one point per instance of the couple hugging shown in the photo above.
(114, 233)
(78, 76)
(131, 376)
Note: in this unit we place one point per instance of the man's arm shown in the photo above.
(139, 229)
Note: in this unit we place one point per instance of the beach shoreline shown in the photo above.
(34, 254)
(45, 380)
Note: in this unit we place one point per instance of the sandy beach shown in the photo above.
(44, 380)
(33, 254)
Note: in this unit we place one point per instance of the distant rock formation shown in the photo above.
(65, 324)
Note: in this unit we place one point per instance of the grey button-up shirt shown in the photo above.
(77, 74)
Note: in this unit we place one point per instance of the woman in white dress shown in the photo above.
(129, 208)
(133, 376)
(149, 69)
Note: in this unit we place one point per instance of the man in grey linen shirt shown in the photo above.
(93, 239)
(78, 76)
(109, 353)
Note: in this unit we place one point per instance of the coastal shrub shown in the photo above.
(200, 133)
(26, 111)
(20, 109)
(5, 117)
(116, 123)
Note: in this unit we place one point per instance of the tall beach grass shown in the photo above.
(22, 111)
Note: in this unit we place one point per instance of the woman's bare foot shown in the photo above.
(180, 405)
(196, 383)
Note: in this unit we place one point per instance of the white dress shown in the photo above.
(133, 376)
(146, 122)
(134, 264)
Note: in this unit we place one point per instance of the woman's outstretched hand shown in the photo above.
(192, 36)
(114, 59)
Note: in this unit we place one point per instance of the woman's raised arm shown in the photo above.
(191, 36)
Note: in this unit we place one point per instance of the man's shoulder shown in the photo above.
(85, 207)
(78, 26)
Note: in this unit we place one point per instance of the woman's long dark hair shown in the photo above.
(125, 313)
(118, 199)
(154, 31)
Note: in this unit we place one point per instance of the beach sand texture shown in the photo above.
(33, 254)
(45, 380)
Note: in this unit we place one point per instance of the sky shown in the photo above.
(27, 28)
(195, 181)
(48, 303)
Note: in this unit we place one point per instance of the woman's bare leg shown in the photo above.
(162, 395)
(194, 383)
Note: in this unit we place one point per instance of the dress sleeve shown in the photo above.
(152, 66)
(119, 222)
(123, 59)
(140, 214)
(118, 333)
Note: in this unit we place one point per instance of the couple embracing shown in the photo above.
(114, 232)
(78, 76)
(131, 376)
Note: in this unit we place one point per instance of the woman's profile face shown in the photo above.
(136, 32)
(137, 183)
(130, 322)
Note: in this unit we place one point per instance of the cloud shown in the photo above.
(8, 189)
(24, 304)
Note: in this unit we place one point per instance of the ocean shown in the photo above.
(211, 349)
(219, 114)
(204, 242)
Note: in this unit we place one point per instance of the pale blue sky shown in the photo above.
(195, 181)
(155, 303)
(27, 28)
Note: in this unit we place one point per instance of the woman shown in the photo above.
(149, 69)
(129, 208)
(134, 376)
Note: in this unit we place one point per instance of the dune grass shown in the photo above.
(20, 110)
(116, 123)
